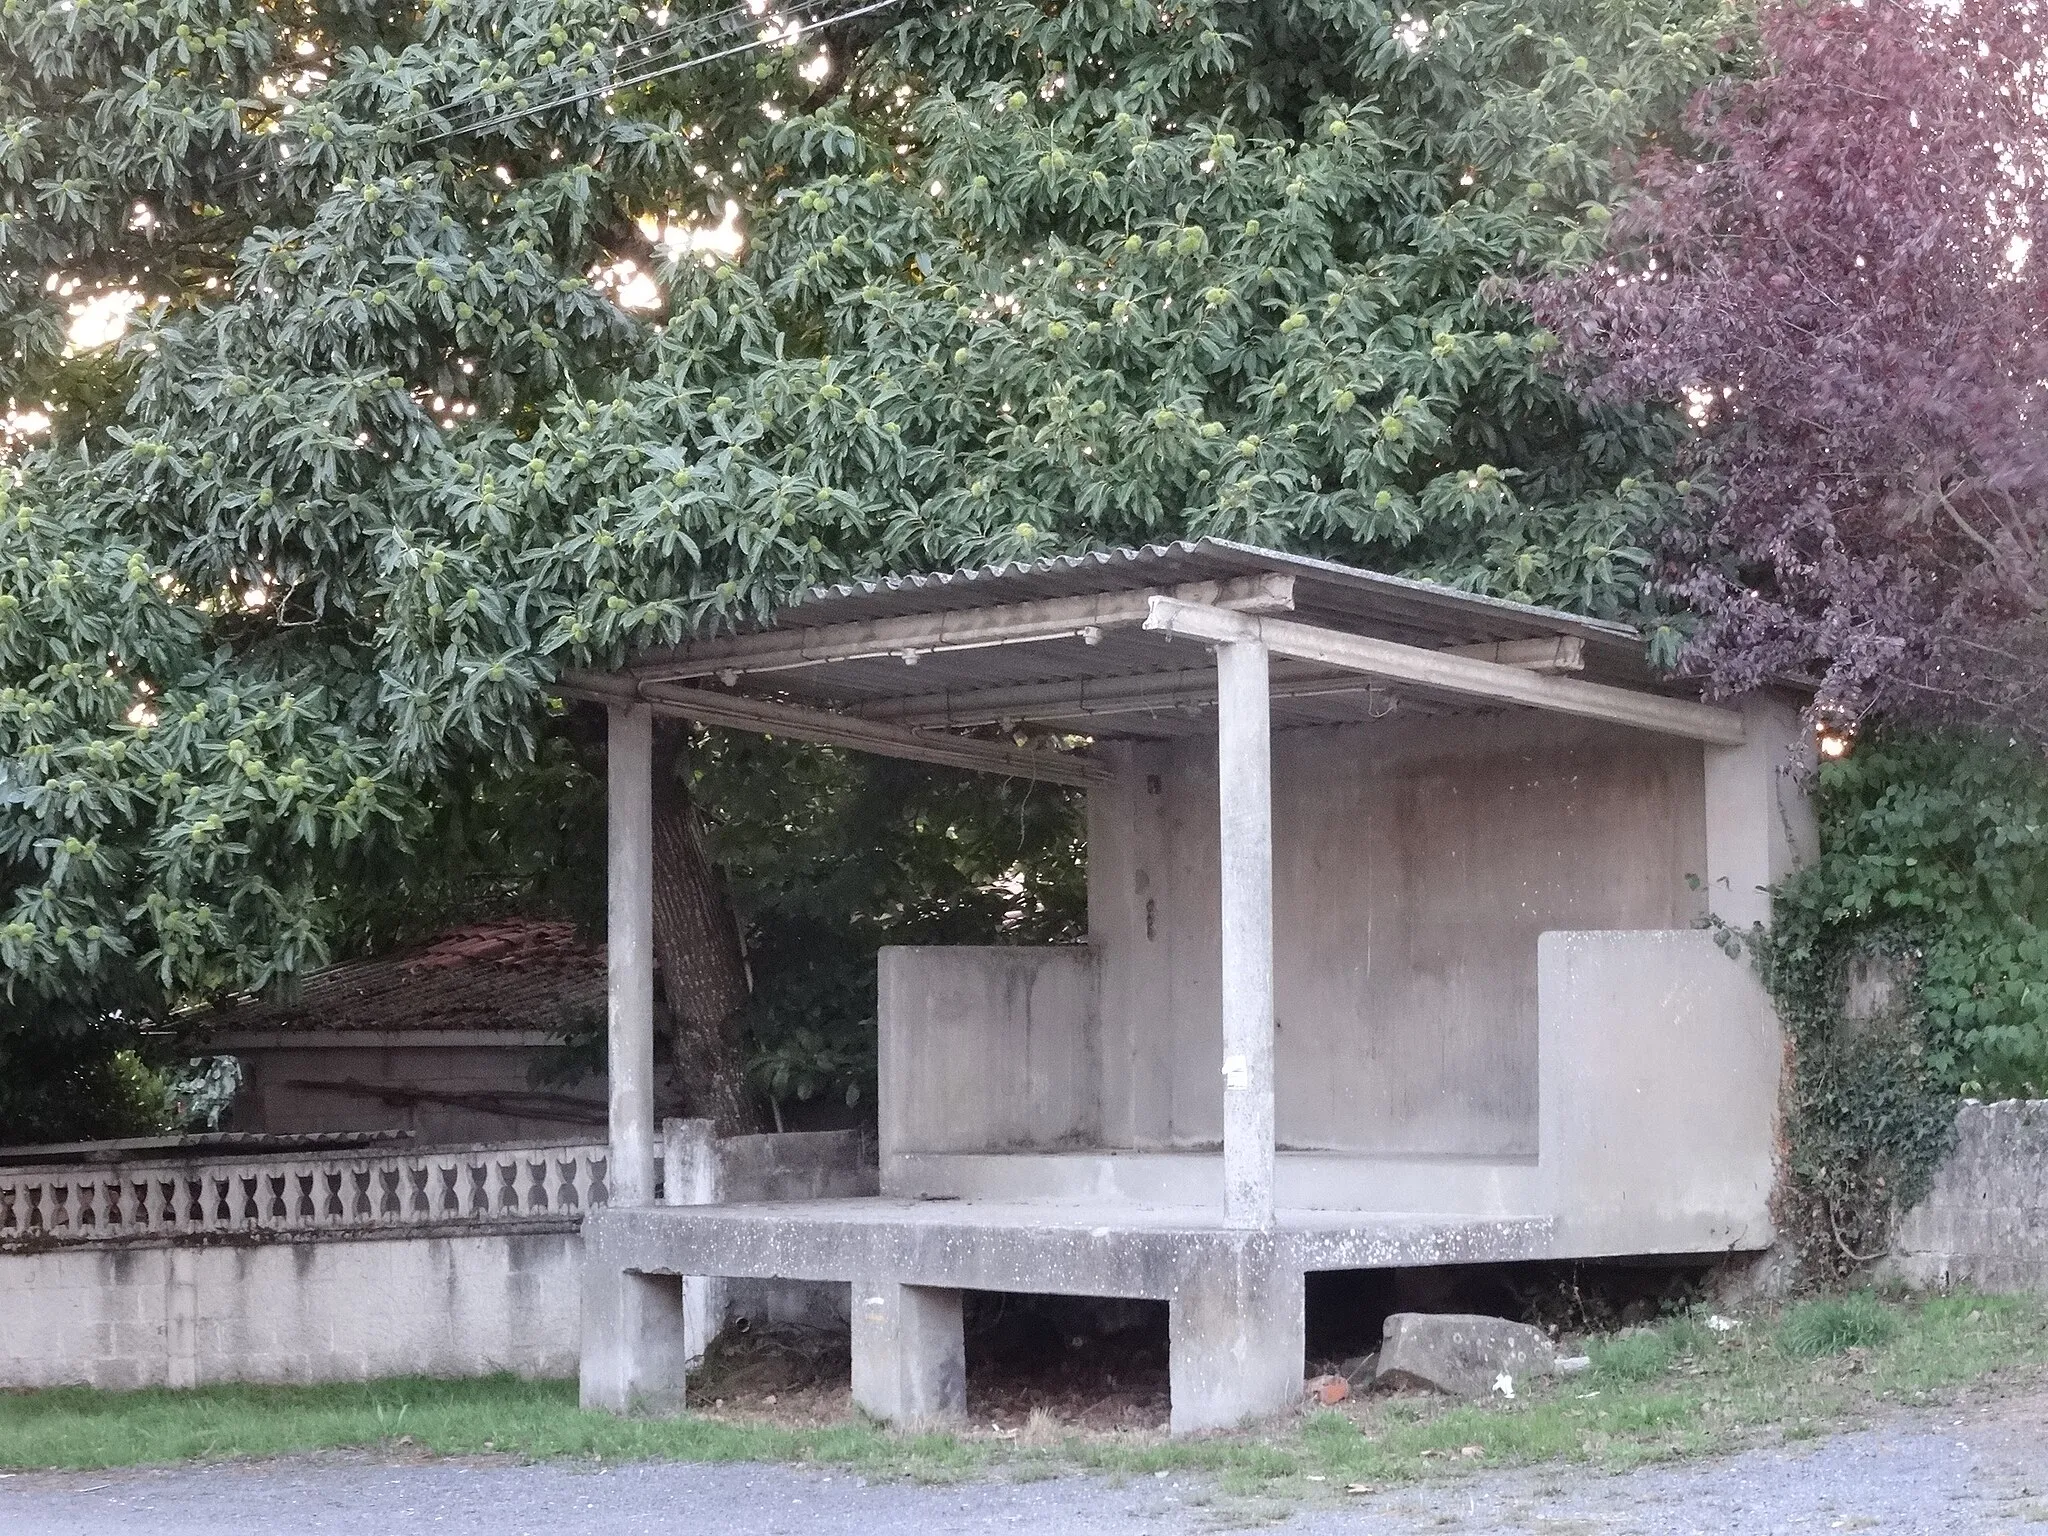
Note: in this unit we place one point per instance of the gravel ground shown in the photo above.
(1983, 1475)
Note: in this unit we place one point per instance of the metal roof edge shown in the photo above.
(1606, 630)
(1434, 591)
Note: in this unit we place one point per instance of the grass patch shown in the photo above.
(76, 1427)
(1680, 1389)
(1631, 1358)
(1833, 1324)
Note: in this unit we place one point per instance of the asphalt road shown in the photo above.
(1982, 1475)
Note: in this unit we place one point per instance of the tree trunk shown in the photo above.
(697, 950)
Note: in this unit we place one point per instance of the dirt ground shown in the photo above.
(1032, 1370)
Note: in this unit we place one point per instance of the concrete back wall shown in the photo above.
(1416, 863)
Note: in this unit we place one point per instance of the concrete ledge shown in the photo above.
(1037, 1247)
(1235, 1297)
(1336, 1182)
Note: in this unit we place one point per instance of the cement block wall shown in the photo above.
(181, 1315)
(1416, 863)
(1984, 1223)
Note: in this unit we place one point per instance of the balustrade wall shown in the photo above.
(293, 1196)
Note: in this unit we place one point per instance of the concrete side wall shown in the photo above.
(1661, 1071)
(1658, 1073)
(988, 1049)
(180, 1316)
(796, 1165)
(1984, 1224)
(333, 1087)
(1416, 862)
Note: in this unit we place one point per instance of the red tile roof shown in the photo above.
(515, 973)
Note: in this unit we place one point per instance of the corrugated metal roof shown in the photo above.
(1324, 590)
(1162, 688)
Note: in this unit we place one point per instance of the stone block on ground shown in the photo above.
(1328, 1391)
(1360, 1370)
(1463, 1355)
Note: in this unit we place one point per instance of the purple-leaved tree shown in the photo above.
(1841, 290)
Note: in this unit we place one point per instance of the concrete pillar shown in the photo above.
(693, 1173)
(1236, 1336)
(629, 953)
(1244, 789)
(1760, 825)
(633, 1356)
(909, 1353)
(181, 1318)
(1130, 905)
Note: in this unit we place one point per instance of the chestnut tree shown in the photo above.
(398, 434)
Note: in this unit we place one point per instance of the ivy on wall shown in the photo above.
(1909, 965)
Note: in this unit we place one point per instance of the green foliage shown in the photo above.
(1931, 870)
(1937, 845)
(833, 856)
(287, 587)
(75, 1086)
(1828, 1325)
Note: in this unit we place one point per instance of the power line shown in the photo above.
(627, 82)
(694, 27)
(682, 33)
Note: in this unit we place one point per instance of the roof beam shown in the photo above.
(921, 634)
(1137, 694)
(770, 717)
(1544, 653)
(1153, 692)
(1449, 673)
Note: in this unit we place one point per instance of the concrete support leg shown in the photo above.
(1236, 1339)
(693, 1173)
(909, 1353)
(634, 1352)
(1244, 749)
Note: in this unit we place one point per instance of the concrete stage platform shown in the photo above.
(1235, 1296)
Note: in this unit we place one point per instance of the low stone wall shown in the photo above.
(182, 1314)
(438, 1262)
(1984, 1224)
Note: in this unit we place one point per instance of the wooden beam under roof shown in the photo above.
(1154, 692)
(1134, 694)
(922, 634)
(1543, 653)
(797, 723)
(1451, 674)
